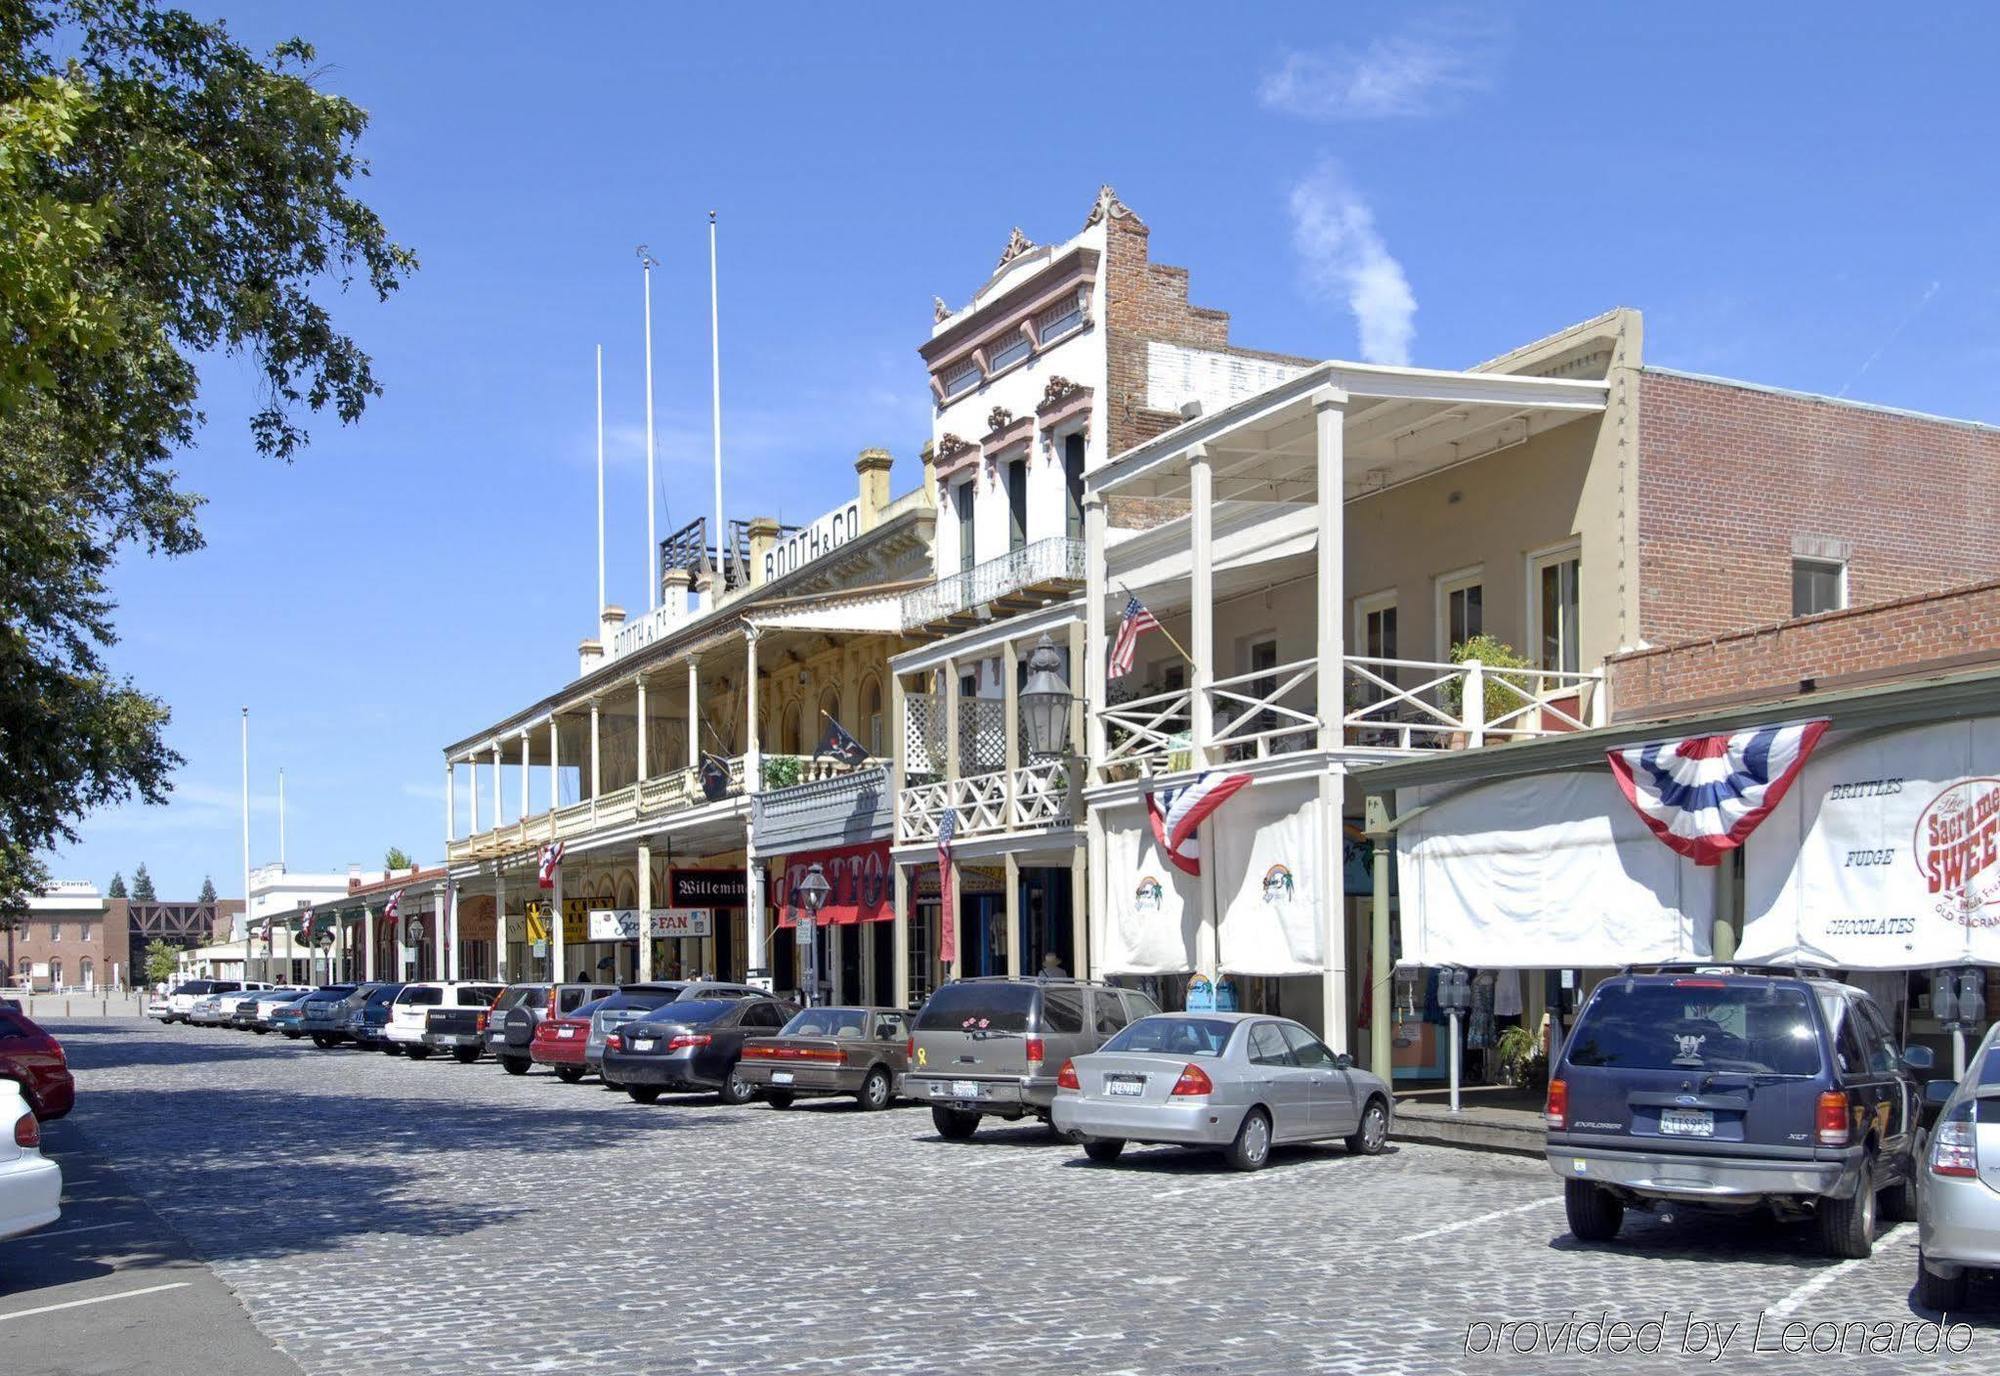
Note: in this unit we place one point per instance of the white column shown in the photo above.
(556, 973)
(450, 811)
(1201, 614)
(555, 775)
(753, 765)
(899, 994)
(367, 935)
(596, 759)
(472, 771)
(952, 764)
(694, 715)
(500, 923)
(441, 933)
(524, 773)
(756, 967)
(640, 775)
(499, 810)
(1331, 595)
(645, 911)
(1095, 647)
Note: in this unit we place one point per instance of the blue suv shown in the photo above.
(1735, 1089)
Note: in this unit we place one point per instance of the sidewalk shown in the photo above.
(99, 1003)
(1490, 1118)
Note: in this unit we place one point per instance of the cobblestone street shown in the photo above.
(377, 1215)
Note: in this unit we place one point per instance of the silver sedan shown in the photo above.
(1958, 1190)
(1237, 1083)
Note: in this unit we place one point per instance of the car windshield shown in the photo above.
(1698, 1025)
(1174, 1036)
(695, 1012)
(828, 1022)
(523, 996)
(975, 1005)
(427, 995)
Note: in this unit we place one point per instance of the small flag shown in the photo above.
(714, 776)
(947, 917)
(1175, 813)
(1135, 622)
(391, 908)
(552, 855)
(839, 744)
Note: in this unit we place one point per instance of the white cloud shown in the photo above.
(1345, 260)
(1424, 70)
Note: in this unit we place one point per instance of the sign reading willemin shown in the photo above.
(1886, 856)
(706, 888)
(815, 541)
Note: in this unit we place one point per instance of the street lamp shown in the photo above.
(811, 892)
(1045, 702)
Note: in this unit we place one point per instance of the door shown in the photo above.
(1332, 1112)
(1017, 504)
(1280, 1082)
(1891, 1091)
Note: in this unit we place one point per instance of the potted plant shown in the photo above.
(1502, 692)
(1522, 1063)
(781, 771)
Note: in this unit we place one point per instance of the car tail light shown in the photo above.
(614, 1042)
(1035, 1050)
(910, 1048)
(1066, 1077)
(1832, 1118)
(1955, 1144)
(762, 1053)
(1699, 984)
(1556, 1113)
(27, 1131)
(479, 1023)
(1193, 1080)
(680, 1041)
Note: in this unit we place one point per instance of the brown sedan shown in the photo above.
(858, 1051)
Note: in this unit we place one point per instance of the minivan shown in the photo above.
(1737, 1089)
(994, 1046)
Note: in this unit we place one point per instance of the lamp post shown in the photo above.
(1045, 702)
(415, 931)
(811, 893)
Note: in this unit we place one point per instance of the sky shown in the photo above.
(1793, 194)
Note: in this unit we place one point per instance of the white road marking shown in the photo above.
(100, 1299)
(1790, 1303)
(86, 1228)
(1481, 1218)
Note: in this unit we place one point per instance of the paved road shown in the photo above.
(376, 1215)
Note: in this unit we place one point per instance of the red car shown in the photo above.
(559, 1043)
(34, 1060)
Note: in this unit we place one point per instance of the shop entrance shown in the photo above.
(1047, 918)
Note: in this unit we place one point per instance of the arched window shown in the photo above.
(83, 973)
(871, 715)
(829, 706)
(793, 736)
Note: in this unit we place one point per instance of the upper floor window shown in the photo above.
(1053, 322)
(84, 935)
(1007, 352)
(1017, 504)
(55, 931)
(1818, 585)
(1461, 609)
(961, 498)
(962, 378)
(1553, 595)
(1375, 633)
(1072, 455)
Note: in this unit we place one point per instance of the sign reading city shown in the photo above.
(706, 888)
(815, 541)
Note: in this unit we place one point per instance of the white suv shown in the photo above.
(404, 1032)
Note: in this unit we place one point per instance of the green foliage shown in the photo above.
(1502, 693)
(142, 885)
(117, 889)
(159, 961)
(207, 889)
(1520, 1053)
(397, 859)
(782, 771)
(166, 196)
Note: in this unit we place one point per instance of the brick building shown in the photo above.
(71, 938)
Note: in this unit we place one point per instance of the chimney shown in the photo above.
(929, 458)
(873, 465)
(589, 654)
(674, 585)
(608, 622)
(763, 535)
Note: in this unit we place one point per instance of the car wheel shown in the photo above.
(1898, 1203)
(1251, 1148)
(465, 1055)
(644, 1094)
(515, 1065)
(1104, 1150)
(293, 1036)
(876, 1091)
(260, 1031)
(1942, 1293)
(736, 1091)
(1373, 1134)
(322, 1041)
(1847, 1226)
(954, 1124)
(569, 1074)
(417, 1053)
(392, 1049)
(779, 1098)
(1595, 1214)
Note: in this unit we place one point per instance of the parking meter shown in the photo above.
(1944, 996)
(1454, 991)
(1971, 997)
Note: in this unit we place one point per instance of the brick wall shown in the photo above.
(44, 937)
(1730, 476)
(1908, 637)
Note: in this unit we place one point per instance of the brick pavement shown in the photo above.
(378, 1215)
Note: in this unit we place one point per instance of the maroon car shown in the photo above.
(34, 1060)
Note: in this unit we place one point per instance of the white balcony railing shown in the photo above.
(1029, 798)
(1058, 559)
(662, 793)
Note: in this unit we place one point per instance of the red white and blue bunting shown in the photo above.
(1704, 795)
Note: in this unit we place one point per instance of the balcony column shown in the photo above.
(524, 774)
(500, 921)
(1201, 614)
(472, 765)
(499, 811)
(1010, 709)
(899, 777)
(555, 775)
(951, 706)
(596, 759)
(645, 911)
(694, 716)
(639, 772)
(1095, 647)
(753, 764)
(450, 814)
(899, 960)
(366, 933)
(1012, 872)
(1329, 414)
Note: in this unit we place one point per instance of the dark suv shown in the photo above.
(510, 1027)
(995, 1046)
(1735, 1089)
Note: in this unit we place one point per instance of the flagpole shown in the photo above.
(646, 261)
(1157, 625)
(246, 845)
(600, 480)
(281, 817)
(715, 388)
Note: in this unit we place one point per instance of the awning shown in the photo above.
(860, 877)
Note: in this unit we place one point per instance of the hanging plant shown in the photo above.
(1503, 692)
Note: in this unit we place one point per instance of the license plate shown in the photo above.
(1687, 1122)
(966, 1089)
(645, 1044)
(565, 1031)
(781, 1077)
(1132, 1087)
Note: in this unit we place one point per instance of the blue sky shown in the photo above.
(1794, 194)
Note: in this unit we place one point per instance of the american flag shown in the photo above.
(552, 855)
(947, 918)
(1135, 622)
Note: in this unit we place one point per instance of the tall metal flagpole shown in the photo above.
(246, 845)
(715, 375)
(600, 482)
(281, 817)
(646, 264)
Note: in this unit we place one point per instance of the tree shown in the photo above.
(207, 889)
(166, 196)
(117, 889)
(160, 961)
(142, 885)
(397, 859)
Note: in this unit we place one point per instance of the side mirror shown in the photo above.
(1919, 1057)
(1343, 1061)
(1936, 1092)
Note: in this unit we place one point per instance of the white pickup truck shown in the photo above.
(412, 1006)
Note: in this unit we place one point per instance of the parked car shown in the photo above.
(34, 1060)
(30, 1183)
(323, 1018)
(180, 1000)
(636, 1000)
(1237, 1083)
(1731, 1088)
(560, 1041)
(521, 1008)
(213, 1010)
(253, 1013)
(1958, 1197)
(458, 1025)
(410, 1010)
(858, 1051)
(290, 1018)
(366, 1022)
(691, 1044)
(993, 1045)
